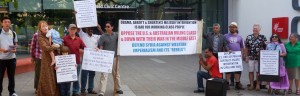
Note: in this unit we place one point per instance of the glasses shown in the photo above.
(107, 26)
(274, 36)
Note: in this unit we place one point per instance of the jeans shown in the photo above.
(84, 77)
(64, 88)
(10, 66)
(200, 76)
(76, 86)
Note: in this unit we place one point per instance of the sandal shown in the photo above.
(297, 92)
(290, 91)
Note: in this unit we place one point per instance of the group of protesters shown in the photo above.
(74, 42)
(289, 53)
(47, 43)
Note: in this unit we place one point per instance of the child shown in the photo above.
(54, 37)
(64, 86)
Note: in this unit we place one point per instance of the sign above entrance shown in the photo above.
(106, 5)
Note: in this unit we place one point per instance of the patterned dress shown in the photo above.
(47, 85)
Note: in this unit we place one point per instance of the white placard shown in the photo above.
(157, 37)
(86, 15)
(101, 61)
(230, 61)
(67, 70)
(269, 62)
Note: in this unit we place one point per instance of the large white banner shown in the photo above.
(86, 15)
(230, 61)
(157, 37)
(269, 62)
(101, 61)
(67, 70)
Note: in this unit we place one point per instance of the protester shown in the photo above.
(47, 85)
(64, 86)
(36, 56)
(292, 60)
(109, 41)
(216, 40)
(8, 44)
(75, 44)
(276, 44)
(235, 43)
(254, 43)
(91, 41)
(211, 64)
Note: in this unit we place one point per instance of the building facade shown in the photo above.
(59, 13)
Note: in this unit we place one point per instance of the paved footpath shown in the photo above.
(148, 76)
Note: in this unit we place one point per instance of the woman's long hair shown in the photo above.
(279, 40)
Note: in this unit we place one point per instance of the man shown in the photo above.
(235, 43)
(109, 41)
(211, 64)
(254, 43)
(216, 40)
(91, 41)
(36, 56)
(8, 44)
(75, 44)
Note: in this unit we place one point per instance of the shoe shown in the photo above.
(100, 95)
(251, 88)
(297, 92)
(92, 92)
(75, 95)
(83, 94)
(119, 92)
(231, 84)
(239, 86)
(198, 91)
(14, 94)
(227, 86)
(290, 91)
(257, 88)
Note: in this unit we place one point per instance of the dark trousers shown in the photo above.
(64, 88)
(37, 70)
(10, 66)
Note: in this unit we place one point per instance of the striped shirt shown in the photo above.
(35, 49)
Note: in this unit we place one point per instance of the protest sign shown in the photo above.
(100, 61)
(230, 61)
(269, 65)
(158, 37)
(86, 15)
(269, 62)
(67, 70)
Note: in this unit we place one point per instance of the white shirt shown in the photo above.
(89, 41)
(6, 40)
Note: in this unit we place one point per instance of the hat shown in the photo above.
(72, 26)
(233, 24)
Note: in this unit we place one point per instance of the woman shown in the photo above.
(276, 44)
(292, 60)
(47, 84)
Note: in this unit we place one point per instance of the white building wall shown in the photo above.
(248, 12)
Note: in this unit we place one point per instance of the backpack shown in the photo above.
(14, 35)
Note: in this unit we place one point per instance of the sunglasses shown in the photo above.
(274, 36)
(107, 26)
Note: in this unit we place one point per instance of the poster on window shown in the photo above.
(230, 61)
(269, 62)
(100, 61)
(66, 68)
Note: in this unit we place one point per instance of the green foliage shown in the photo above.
(15, 2)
